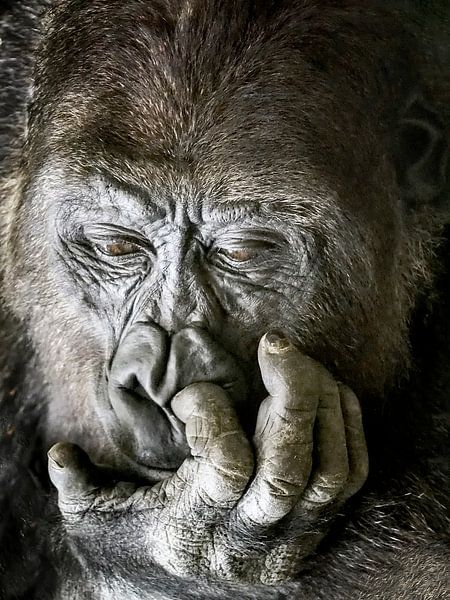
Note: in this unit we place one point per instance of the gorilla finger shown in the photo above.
(284, 432)
(290, 377)
(331, 468)
(72, 473)
(222, 458)
(356, 442)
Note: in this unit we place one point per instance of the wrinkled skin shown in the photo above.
(218, 227)
(213, 517)
(143, 379)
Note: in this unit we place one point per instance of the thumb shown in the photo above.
(71, 472)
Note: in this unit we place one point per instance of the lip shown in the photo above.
(154, 474)
(128, 469)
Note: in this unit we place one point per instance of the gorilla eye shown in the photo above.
(119, 248)
(238, 255)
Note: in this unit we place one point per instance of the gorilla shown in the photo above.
(224, 276)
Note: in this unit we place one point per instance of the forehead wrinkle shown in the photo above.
(184, 196)
(221, 192)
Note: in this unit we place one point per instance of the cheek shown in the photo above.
(74, 350)
(73, 373)
(73, 342)
(253, 306)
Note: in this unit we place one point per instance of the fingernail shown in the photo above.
(276, 342)
(55, 458)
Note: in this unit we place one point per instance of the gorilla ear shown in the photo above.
(423, 154)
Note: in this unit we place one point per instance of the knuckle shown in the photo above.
(231, 453)
(76, 502)
(223, 485)
(75, 515)
(325, 489)
(276, 498)
(278, 487)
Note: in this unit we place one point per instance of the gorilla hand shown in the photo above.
(214, 515)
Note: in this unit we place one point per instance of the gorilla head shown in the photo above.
(197, 175)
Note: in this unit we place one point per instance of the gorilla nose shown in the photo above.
(161, 365)
(150, 367)
(194, 319)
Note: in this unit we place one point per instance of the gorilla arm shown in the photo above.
(218, 515)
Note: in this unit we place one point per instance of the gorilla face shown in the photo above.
(164, 296)
(176, 208)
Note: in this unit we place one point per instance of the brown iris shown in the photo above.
(120, 248)
(238, 255)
